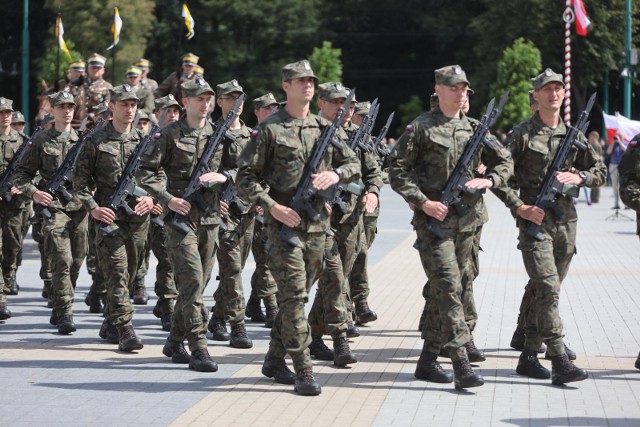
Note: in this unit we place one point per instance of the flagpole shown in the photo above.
(55, 84)
(627, 63)
(113, 51)
(25, 63)
(568, 17)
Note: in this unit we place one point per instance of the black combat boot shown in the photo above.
(109, 332)
(50, 302)
(529, 365)
(166, 321)
(342, 353)
(319, 350)
(218, 328)
(66, 325)
(517, 340)
(270, 317)
(305, 383)
(201, 361)
(276, 368)
(254, 310)
(637, 365)
(352, 330)
(94, 303)
(430, 370)
(129, 341)
(5, 313)
(157, 311)
(176, 351)
(475, 355)
(464, 377)
(53, 319)
(564, 371)
(238, 337)
(46, 289)
(364, 314)
(140, 296)
(14, 288)
(570, 353)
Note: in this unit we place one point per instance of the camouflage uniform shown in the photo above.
(177, 152)
(65, 234)
(146, 82)
(99, 167)
(424, 157)
(96, 92)
(278, 154)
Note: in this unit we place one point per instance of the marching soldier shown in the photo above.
(74, 83)
(17, 122)
(134, 76)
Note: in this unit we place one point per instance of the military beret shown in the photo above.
(433, 101)
(142, 63)
(123, 93)
(62, 97)
(362, 108)
(228, 87)
(77, 66)
(133, 72)
(297, 70)
(196, 87)
(96, 60)
(6, 104)
(547, 76)
(451, 75)
(17, 117)
(264, 101)
(190, 58)
(166, 102)
(332, 90)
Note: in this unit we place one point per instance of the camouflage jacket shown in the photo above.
(427, 153)
(146, 102)
(231, 153)
(95, 92)
(149, 84)
(177, 151)
(77, 90)
(9, 144)
(278, 153)
(99, 166)
(629, 170)
(171, 85)
(45, 156)
(533, 145)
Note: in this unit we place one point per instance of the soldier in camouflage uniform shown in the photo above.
(120, 248)
(17, 122)
(424, 157)
(96, 89)
(236, 232)
(65, 233)
(277, 154)
(74, 83)
(533, 145)
(13, 213)
(263, 286)
(177, 152)
(146, 103)
(629, 170)
(145, 81)
(172, 84)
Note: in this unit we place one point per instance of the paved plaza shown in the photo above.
(77, 380)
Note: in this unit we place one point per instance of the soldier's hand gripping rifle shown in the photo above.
(193, 192)
(454, 189)
(302, 200)
(229, 195)
(552, 189)
(60, 185)
(6, 179)
(126, 189)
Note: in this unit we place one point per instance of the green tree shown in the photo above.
(519, 63)
(326, 62)
(409, 111)
(48, 72)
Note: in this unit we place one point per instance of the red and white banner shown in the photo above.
(582, 21)
(619, 123)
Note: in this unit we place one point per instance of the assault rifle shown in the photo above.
(552, 189)
(229, 195)
(455, 187)
(193, 192)
(6, 179)
(378, 143)
(126, 189)
(302, 199)
(60, 184)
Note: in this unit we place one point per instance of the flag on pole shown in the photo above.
(116, 27)
(188, 22)
(59, 35)
(619, 123)
(582, 21)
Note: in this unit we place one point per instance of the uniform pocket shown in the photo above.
(51, 159)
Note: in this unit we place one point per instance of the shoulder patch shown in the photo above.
(255, 132)
(409, 128)
(633, 142)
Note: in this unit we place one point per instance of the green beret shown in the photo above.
(123, 93)
(297, 70)
(196, 87)
(228, 87)
(545, 77)
(451, 75)
(62, 97)
(332, 90)
(6, 104)
(264, 101)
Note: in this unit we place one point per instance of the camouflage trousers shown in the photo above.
(26, 223)
(11, 237)
(294, 269)
(45, 261)
(121, 254)
(66, 242)
(547, 264)
(445, 261)
(263, 286)
(359, 278)
(192, 256)
(328, 314)
(234, 246)
(98, 281)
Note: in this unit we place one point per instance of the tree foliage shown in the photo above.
(326, 62)
(409, 111)
(55, 63)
